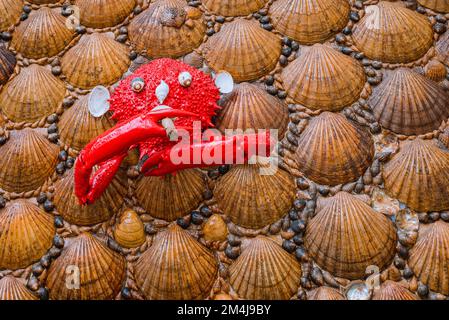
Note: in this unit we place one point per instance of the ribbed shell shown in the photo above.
(20, 99)
(27, 234)
(12, 289)
(129, 232)
(101, 270)
(43, 1)
(234, 7)
(96, 59)
(77, 127)
(251, 107)
(172, 196)
(332, 150)
(109, 203)
(10, 11)
(323, 78)
(436, 5)
(250, 50)
(7, 64)
(442, 47)
(346, 236)
(253, 200)
(391, 33)
(34, 159)
(176, 267)
(429, 258)
(104, 13)
(408, 103)
(390, 290)
(309, 21)
(325, 293)
(147, 32)
(43, 34)
(265, 271)
(418, 175)
(435, 70)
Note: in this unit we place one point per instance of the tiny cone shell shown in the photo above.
(104, 13)
(129, 232)
(436, 5)
(390, 290)
(10, 11)
(265, 271)
(442, 47)
(176, 267)
(13, 289)
(215, 229)
(233, 7)
(325, 293)
(7, 64)
(435, 70)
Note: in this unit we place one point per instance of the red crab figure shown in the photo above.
(151, 106)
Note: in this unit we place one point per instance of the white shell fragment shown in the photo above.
(185, 79)
(162, 91)
(98, 102)
(224, 82)
(358, 290)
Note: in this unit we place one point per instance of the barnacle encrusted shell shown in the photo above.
(418, 175)
(13, 289)
(390, 290)
(391, 33)
(215, 228)
(233, 7)
(239, 195)
(96, 59)
(148, 32)
(442, 48)
(435, 70)
(7, 64)
(172, 196)
(347, 235)
(325, 293)
(264, 271)
(436, 5)
(176, 267)
(20, 100)
(34, 159)
(309, 21)
(104, 13)
(129, 232)
(429, 257)
(250, 51)
(10, 11)
(323, 78)
(43, 34)
(332, 150)
(26, 234)
(409, 103)
(100, 270)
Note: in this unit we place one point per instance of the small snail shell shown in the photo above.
(130, 233)
(137, 84)
(185, 79)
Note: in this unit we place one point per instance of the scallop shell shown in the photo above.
(390, 290)
(101, 271)
(393, 34)
(34, 159)
(435, 70)
(251, 107)
(332, 150)
(323, 78)
(264, 271)
(43, 1)
(43, 34)
(239, 195)
(442, 48)
(13, 289)
(347, 235)
(147, 32)
(104, 13)
(176, 267)
(7, 64)
(233, 7)
(109, 203)
(409, 103)
(325, 293)
(96, 59)
(172, 196)
(10, 11)
(27, 234)
(436, 5)
(418, 175)
(309, 21)
(250, 51)
(129, 232)
(21, 102)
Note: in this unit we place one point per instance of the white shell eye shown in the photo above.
(162, 91)
(137, 84)
(98, 103)
(224, 82)
(185, 79)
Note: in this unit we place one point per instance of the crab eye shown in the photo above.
(137, 84)
(185, 79)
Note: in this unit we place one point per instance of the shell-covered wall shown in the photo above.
(358, 208)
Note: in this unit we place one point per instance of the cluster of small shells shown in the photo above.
(359, 206)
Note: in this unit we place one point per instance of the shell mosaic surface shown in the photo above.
(358, 209)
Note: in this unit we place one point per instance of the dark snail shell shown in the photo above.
(436, 5)
(10, 11)
(104, 13)
(390, 290)
(234, 7)
(7, 64)
(325, 293)
(13, 289)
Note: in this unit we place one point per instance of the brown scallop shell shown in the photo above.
(34, 159)
(265, 271)
(129, 232)
(43, 1)
(435, 70)
(96, 59)
(77, 127)
(7, 65)
(251, 107)
(429, 257)
(325, 293)
(418, 174)
(436, 5)
(390, 290)
(104, 13)
(101, 270)
(347, 235)
(172, 196)
(21, 102)
(176, 267)
(10, 11)
(391, 33)
(442, 48)
(409, 103)
(323, 78)
(239, 195)
(332, 150)
(148, 33)
(309, 21)
(27, 234)
(13, 289)
(43, 34)
(233, 7)
(250, 50)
